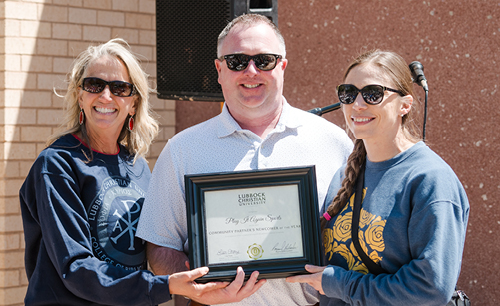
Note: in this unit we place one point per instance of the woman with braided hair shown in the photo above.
(414, 210)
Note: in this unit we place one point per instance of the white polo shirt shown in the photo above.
(220, 145)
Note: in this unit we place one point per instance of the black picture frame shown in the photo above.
(303, 177)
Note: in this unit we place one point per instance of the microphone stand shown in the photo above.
(425, 113)
(323, 110)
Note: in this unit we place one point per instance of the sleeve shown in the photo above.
(66, 236)
(436, 232)
(163, 218)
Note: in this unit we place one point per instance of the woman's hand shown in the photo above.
(313, 279)
(214, 292)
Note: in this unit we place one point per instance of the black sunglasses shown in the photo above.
(118, 88)
(372, 94)
(239, 62)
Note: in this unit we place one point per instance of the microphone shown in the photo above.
(323, 110)
(417, 72)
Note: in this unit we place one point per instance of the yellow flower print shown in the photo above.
(365, 218)
(362, 242)
(344, 252)
(349, 205)
(338, 240)
(342, 227)
(328, 242)
(375, 257)
(374, 234)
(360, 267)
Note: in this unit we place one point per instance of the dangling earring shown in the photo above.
(130, 125)
(81, 117)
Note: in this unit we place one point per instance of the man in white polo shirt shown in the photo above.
(257, 129)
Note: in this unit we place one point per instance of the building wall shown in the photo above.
(458, 42)
(38, 41)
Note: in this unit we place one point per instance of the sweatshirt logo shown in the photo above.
(132, 208)
(113, 216)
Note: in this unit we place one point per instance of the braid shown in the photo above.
(352, 169)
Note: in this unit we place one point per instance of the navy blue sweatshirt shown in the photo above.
(79, 221)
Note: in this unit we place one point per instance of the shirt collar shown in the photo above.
(227, 125)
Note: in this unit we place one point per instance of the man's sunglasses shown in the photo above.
(372, 94)
(118, 88)
(239, 62)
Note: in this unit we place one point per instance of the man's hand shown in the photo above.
(313, 279)
(214, 292)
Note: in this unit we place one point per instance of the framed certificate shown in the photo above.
(265, 220)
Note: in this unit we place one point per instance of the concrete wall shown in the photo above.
(38, 41)
(457, 41)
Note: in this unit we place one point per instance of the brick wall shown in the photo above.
(39, 40)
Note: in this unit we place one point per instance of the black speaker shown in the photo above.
(186, 44)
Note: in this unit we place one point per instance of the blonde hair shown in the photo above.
(145, 125)
(394, 67)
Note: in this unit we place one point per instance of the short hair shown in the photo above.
(145, 125)
(251, 19)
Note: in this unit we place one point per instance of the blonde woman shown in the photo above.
(83, 196)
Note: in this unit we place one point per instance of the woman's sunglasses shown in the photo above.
(239, 62)
(372, 94)
(118, 88)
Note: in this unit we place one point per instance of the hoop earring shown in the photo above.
(81, 117)
(130, 125)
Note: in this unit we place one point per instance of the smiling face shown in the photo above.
(251, 92)
(105, 113)
(375, 124)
